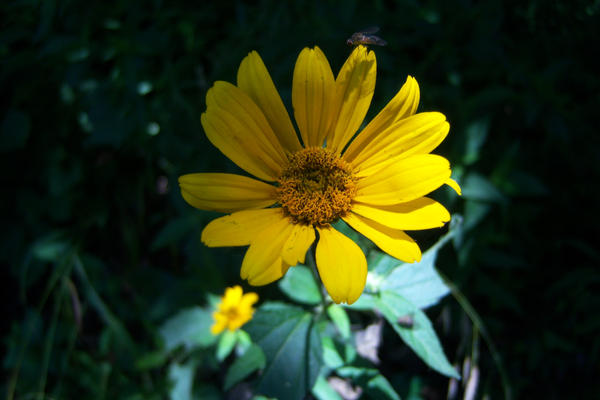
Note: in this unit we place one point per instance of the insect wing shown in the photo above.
(376, 40)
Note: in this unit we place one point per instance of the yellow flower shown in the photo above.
(376, 183)
(234, 310)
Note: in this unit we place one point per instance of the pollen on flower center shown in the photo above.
(317, 187)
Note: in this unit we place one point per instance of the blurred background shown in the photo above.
(100, 113)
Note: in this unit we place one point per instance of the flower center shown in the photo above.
(316, 188)
(231, 313)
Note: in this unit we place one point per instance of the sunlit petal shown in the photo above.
(264, 256)
(225, 192)
(406, 180)
(270, 273)
(418, 134)
(295, 247)
(422, 213)
(394, 242)
(454, 185)
(254, 79)
(404, 104)
(342, 266)
(239, 228)
(354, 87)
(237, 127)
(312, 92)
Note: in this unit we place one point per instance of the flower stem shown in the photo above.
(311, 263)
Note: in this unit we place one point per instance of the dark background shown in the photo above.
(100, 113)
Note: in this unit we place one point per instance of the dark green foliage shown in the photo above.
(100, 113)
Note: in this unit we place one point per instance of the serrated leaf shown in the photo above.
(421, 337)
(419, 283)
(292, 349)
(299, 285)
(340, 319)
(190, 328)
(252, 360)
(227, 342)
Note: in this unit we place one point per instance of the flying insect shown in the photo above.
(366, 37)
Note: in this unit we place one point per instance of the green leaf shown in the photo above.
(243, 342)
(182, 377)
(375, 385)
(292, 349)
(172, 232)
(190, 328)
(421, 337)
(227, 342)
(323, 391)
(250, 361)
(340, 319)
(299, 284)
(477, 187)
(51, 247)
(365, 302)
(476, 135)
(151, 360)
(331, 356)
(379, 387)
(419, 283)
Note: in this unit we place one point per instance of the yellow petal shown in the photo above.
(218, 326)
(342, 266)
(394, 242)
(354, 87)
(406, 180)
(403, 105)
(264, 256)
(422, 213)
(295, 247)
(248, 300)
(418, 134)
(254, 79)
(238, 229)
(237, 127)
(270, 274)
(313, 89)
(225, 192)
(233, 296)
(454, 185)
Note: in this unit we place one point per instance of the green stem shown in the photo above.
(105, 313)
(478, 322)
(48, 344)
(311, 263)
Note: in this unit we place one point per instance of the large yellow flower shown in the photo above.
(234, 310)
(375, 183)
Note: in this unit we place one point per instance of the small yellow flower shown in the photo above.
(376, 183)
(234, 310)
